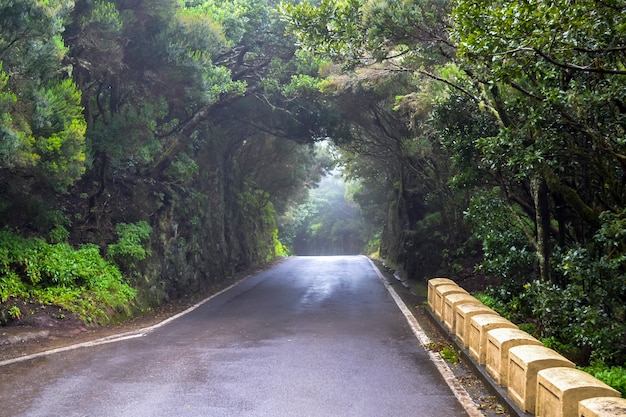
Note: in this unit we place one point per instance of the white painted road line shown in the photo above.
(118, 337)
(457, 389)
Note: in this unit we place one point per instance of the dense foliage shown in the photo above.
(327, 223)
(170, 140)
(80, 280)
(158, 139)
(496, 130)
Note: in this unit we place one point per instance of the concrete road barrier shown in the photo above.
(480, 324)
(434, 283)
(602, 407)
(538, 380)
(464, 313)
(441, 292)
(499, 341)
(524, 363)
(560, 389)
(450, 302)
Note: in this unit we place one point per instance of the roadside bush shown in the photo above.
(582, 311)
(592, 292)
(508, 300)
(11, 286)
(280, 250)
(80, 280)
(614, 376)
(566, 318)
(130, 246)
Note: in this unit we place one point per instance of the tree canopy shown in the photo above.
(184, 125)
(505, 122)
(479, 138)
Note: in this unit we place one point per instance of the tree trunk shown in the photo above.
(542, 220)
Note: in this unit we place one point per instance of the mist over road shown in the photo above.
(313, 336)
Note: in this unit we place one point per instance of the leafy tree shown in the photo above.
(42, 129)
(329, 223)
(399, 53)
(59, 133)
(10, 141)
(156, 110)
(357, 33)
(534, 68)
(553, 73)
(556, 80)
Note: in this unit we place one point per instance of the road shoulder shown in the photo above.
(414, 297)
(21, 342)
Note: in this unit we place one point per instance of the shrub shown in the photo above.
(80, 280)
(59, 234)
(508, 301)
(15, 312)
(280, 250)
(11, 286)
(132, 244)
(614, 376)
(567, 318)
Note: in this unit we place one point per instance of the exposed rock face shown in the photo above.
(203, 231)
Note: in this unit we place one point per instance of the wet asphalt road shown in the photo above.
(313, 336)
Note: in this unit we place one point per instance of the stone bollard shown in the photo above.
(499, 341)
(602, 407)
(524, 363)
(434, 283)
(480, 324)
(450, 302)
(560, 389)
(440, 293)
(464, 313)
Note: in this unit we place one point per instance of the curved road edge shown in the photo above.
(457, 389)
(121, 336)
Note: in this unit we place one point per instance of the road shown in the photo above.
(313, 336)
